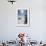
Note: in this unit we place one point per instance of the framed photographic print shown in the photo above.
(22, 17)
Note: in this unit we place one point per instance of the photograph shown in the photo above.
(22, 17)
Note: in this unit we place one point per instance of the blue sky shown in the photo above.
(22, 12)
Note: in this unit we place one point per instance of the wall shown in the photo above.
(8, 29)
